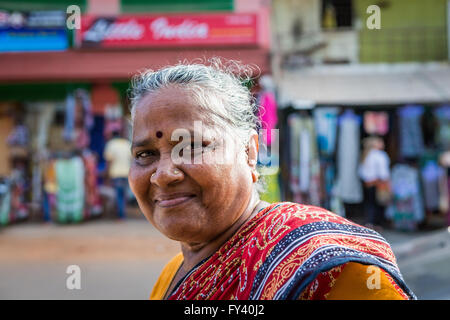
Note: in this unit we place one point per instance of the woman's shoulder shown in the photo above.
(293, 243)
(311, 228)
(323, 227)
(296, 214)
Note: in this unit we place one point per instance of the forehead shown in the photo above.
(172, 99)
(168, 109)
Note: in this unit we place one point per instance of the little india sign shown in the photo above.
(167, 30)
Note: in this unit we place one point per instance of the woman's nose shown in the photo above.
(166, 174)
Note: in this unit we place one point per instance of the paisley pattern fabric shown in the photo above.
(281, 251)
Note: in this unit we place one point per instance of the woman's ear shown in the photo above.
(252, 151)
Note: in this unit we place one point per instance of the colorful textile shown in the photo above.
(411, 137)
(407, 209)
(280, 252)
(353, 281)
(268, 114)
(326, 120)
(113, 120)
(344, 282)
(69, 120)
(348, 184)
(5, 202)
(93, 200)
(431, 175)
(19, 137)
(443, 131)
(19, 186)
(165, 279)
(305, 164)
(71, 195)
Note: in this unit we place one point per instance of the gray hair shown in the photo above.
(218, 86)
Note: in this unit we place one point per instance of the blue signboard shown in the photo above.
(33, 31)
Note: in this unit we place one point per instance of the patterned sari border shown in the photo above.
(319, 260)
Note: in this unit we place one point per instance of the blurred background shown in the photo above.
(337, 79)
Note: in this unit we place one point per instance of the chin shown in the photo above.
(183, 231)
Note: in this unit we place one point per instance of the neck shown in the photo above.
(195, 252)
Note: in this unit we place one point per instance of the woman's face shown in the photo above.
(190, 202)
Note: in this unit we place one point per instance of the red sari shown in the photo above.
(281, 251)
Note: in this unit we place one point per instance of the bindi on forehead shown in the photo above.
(159, 134)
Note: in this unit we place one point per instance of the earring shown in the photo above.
(255, 175)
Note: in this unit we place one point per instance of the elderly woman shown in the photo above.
(202, 190)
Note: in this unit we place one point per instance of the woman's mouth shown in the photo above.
(173, 200)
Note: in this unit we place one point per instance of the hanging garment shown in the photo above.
(69, 120)
(305, 165)
(83, 95)
(305, 158)
(431, 175)
(70, 198)
(19, 137)
(406, 210)
(113, 120)
(327, 178)
(326, 121)
(444, 190)
(348, 184)
(50, 189)
(44, 114)
(97, 138)
(93, 200)
(267, 114)
(376, 122)
(448, 201)
(294, 123)
(411, 138)
(444, 194)
(5, 202)
(19, 186)
(84, 118)
(443, 131)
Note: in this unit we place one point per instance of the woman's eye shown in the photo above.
(144, 154)
(197, 147)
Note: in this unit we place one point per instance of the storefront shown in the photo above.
(68, 99)
(327, 112)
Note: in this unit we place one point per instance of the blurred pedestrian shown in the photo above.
(375, 174)
(117, 155)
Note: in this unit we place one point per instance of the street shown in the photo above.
(117, 260)
(424, 260)
(122, 260)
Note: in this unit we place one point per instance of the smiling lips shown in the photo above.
(173, 199)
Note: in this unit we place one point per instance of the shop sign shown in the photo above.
(33, 31)
(167, 30)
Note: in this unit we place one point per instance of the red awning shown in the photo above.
(85, 65)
